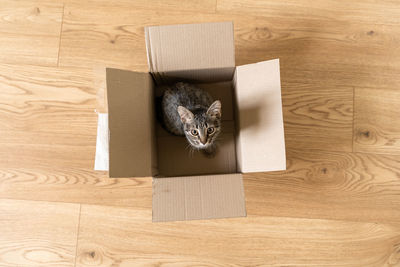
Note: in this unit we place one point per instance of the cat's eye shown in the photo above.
(194, 132)
(210, 130)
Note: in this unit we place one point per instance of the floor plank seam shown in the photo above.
(77, 234)
(390, 222)
(59, 42)
(354, 114)
(40, 200)
(249, 216)
(75, 203)
(314, 150)
(336, 204)
(389, 154)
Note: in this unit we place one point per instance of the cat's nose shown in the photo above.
(203, 140)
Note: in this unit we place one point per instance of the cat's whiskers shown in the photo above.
(218, 138)
(190, 148)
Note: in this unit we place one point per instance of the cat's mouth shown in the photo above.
(200, 145)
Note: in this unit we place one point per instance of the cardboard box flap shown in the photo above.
(260, 139)
(130, 115)
(198, 197)
(191, 51)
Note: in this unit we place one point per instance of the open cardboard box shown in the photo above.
(131, 142)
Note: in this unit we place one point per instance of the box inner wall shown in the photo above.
(175, 158)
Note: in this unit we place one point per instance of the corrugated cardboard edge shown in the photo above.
(198, 197)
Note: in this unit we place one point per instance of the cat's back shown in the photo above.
(187, 95)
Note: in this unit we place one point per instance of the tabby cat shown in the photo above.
(190, 111)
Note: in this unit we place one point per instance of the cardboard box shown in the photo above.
(131, 143)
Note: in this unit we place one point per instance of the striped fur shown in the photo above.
(190, 111)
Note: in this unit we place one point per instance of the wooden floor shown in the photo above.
(338, 204)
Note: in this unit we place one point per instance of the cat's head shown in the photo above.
(201, 126)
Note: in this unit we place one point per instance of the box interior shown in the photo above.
(174, 156)
(252, 138)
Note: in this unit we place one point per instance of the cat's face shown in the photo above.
(201, 126)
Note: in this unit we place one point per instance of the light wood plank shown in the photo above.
(317, 116)
(326, 50)
(355, 11)
(331, 185)
(113, 35)
(30, 32)
(47, 117)
(74, 185)
(46, 99)
(160, 5)
(126, 237)
(316, 44)
(304, 44)
(46, 156)
(376, 121)
(37, 233)
(326, 76)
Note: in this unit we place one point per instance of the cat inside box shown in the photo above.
(177, 156)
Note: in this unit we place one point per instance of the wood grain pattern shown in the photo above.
(30, 32)
(355, 11)
(47, 117)
(74, 185)
(326, 76)
(87, 40)
(37, 233)
(376, 121)
(316, 44)
(340, 76)
(303, 44)
(143, 5)
(317, 184)
(128, 238)
(47, 99)
(331, 185)
(317, 116)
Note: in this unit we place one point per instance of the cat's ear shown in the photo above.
(185, 114)
(214, 111)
